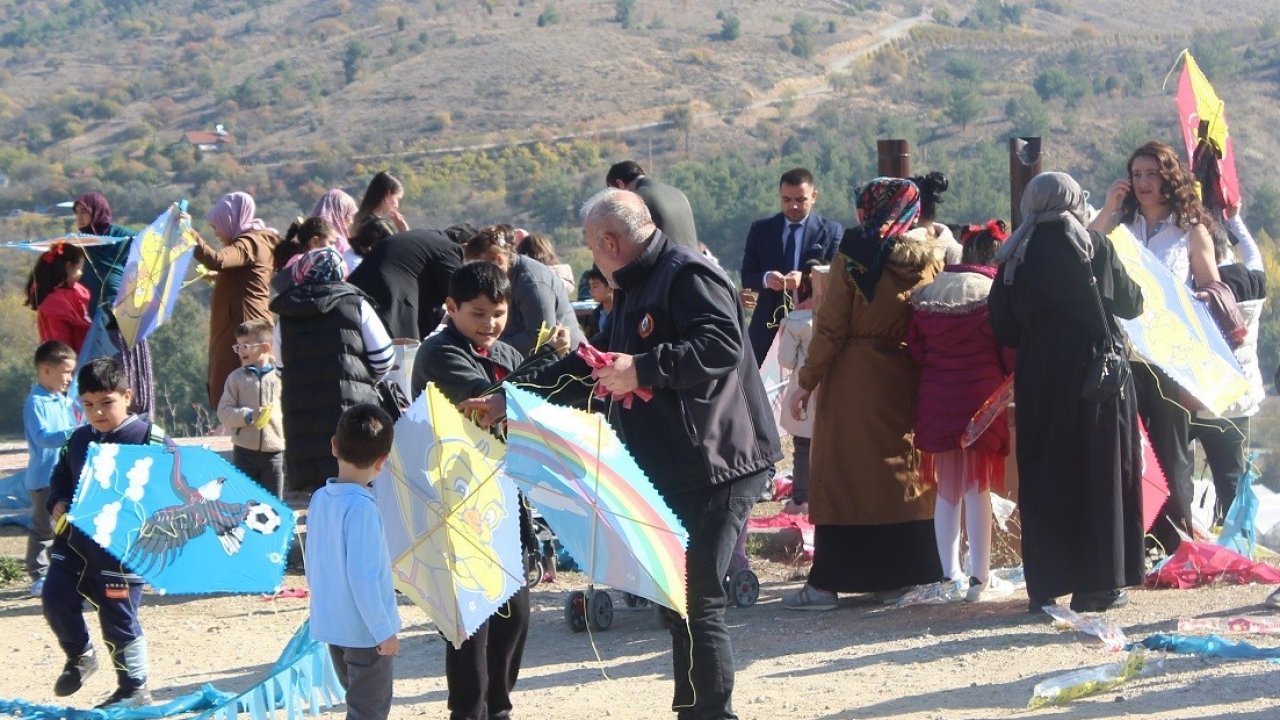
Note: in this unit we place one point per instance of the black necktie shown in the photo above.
(789, 252)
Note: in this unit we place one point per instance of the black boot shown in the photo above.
(127, 697)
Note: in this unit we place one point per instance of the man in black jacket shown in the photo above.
(706, 439)
(668, 207)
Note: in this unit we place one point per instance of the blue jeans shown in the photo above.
(713, 517)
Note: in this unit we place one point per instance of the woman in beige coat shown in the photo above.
(242, 288)
(873, 516)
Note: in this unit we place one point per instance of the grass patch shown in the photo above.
(12, 570)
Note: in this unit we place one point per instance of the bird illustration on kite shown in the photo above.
(183, 518)
(167, 531)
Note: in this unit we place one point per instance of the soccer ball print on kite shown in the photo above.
(262, 519)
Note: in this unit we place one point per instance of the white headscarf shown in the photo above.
(1049, 197)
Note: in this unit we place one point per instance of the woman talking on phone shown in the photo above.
(1157, 202)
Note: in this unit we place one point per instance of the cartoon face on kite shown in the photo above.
(477, 509)
(167, 531)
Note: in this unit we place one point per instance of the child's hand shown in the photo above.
(560, 340)
(59, 509)
(485, 411)
(390, 646)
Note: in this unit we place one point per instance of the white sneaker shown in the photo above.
(993, 589)
(810, 598)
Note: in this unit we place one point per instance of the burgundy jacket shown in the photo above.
(961, 364)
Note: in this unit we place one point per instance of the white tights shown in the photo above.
(977, 523)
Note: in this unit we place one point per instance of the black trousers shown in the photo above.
(65, 589)
(713, 517)
(482, 673)
(1169, 429)
(1223, 440)
(367, 677)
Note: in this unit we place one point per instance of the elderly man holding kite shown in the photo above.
(699, 425)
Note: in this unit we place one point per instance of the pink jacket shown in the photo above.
(961, 364)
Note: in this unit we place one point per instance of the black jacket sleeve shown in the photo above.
(705, 315)
(1000, 312)
(456, 373)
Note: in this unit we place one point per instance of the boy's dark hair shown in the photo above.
(103, 375)
(478, 278)
(259, 330)
(364, 435)
(626, 171)
(593, 273)
(796, 176)
(54, 352)
(805, 291)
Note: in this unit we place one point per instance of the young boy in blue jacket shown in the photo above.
(79, 569)
(353, 603)
(48, 417)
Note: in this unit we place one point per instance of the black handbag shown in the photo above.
(1108, 371)
(391, 398)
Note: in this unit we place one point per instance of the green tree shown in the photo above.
(1051, 83)
(356, 52)
(964, 67)
(730, 28)
(624, 12)
(179, 350)
(681, 119)
(1029, 115)
(964, 105)
(549, 16)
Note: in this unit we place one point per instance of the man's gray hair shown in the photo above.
(622, 211)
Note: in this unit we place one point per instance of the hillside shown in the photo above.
(501, 110)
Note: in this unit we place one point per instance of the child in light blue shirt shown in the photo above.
(353, 604)
(48, 417)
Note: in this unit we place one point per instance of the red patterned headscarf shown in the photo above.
(887, 208)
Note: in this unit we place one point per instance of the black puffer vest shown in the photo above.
(706, 434)
(324, 373)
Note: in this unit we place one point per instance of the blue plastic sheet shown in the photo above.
(1209, 645)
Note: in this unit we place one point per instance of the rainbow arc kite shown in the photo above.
(573, 468)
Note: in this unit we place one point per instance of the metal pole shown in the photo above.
(895, 158)
(1025, 162)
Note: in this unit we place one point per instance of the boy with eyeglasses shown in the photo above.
(249, 408)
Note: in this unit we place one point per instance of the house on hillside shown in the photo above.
(209, 141)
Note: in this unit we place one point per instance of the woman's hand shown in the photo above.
(398, 220)
(1116, 194)
(800, 405)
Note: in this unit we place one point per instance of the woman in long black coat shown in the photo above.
(407, 276)
(1079, 461)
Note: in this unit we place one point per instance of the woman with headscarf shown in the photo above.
(103, 273)
(333, 350)
(339, 209)
(1079, 461)
(1158, 202)
(874, 516)
(242, 288)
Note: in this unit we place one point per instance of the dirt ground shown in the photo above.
(860, 661)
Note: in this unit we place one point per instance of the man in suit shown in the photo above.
(668, 206)
(778, 247)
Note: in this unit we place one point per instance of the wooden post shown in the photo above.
(1025, 162)
(895, 158)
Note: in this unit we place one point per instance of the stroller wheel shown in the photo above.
(533, 568)
(600, 610)
(575, 611)
(743, 588)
